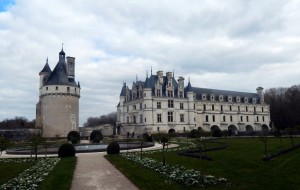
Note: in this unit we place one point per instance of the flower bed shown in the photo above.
(30, 178)
(177, 173)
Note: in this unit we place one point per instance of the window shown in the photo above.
(213, 118)
(246, 108)
(144, 94)
(204, 107)
(247, 118)
(75, 89)
(134, 119)
(134, 107)
(257, 118)
(158, 104)
(127, 108)
(158, 93)
(263, 117)
(231, 118)
(262, 109)
(145, 106)
(141, 106)
(221, 107)
(141, 118)
(213, 107)
(170, 103)
(46, 88)
(194, 106)
(221, 98)
(68, 89)
(230, 108)
(206, 118)
(254, 100)
(203, 97)
(183, 129)
(181, 106)
(254, 109)
(56, 88)
(241, 118)
(170, 93)
(170, 116)
(181, 117)
(159, 118)
(246, 100)
(238, 99)
(212, 97)
(229, 98)
(224, 118)
(127, 119)
(145, 120)
(239, 109)
(158, 129)
(180, 94)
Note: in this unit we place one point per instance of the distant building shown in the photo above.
(57, 111)
(162, 104)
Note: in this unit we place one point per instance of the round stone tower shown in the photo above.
(58, 107)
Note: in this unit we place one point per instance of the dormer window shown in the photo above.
(56, 88)
(203, 96)
(254, 100)
(246, 100)
(221, 98)
(212, 97)
(238, 99)
(229, 98)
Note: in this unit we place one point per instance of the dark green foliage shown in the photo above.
(66, 150)
(113, 148)
(195, 133)
(74, 137)
(217, 133)
(147, 137)
(96, 136)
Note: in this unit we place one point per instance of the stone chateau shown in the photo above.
(57, 112)
(163, 104)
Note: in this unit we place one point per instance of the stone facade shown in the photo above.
(57, 112)
(162, 104)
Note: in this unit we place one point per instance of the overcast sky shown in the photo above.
(230, 45)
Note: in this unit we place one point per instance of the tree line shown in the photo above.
(284, 106)
(110, 118)
(17, 122)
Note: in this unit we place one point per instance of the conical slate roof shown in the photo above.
(46, 68)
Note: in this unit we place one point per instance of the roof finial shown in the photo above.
(47, 60)
(62, 46)
(173, 74)
(189, 79)
(136, 79)
(146, 73)
(151, 70)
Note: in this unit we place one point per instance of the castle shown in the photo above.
(162, 104)
(57, 112)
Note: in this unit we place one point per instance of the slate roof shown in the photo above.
(59, 75)
(46, 68)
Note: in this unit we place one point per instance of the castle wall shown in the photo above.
(60, 115)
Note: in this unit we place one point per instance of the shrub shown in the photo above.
(74, 137)
(66, 150)
(217, 133)
(96, 136)
(113, 148)
(147, 137)
(195, 133)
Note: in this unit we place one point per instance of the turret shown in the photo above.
(44, 74)
(160, 76)
(260, 93)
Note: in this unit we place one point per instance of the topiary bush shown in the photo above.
(195, 133)
(113, 148)
(217, 133)
(96, 136)
(74, 137)
(66, 150)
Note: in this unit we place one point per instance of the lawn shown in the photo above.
(241, 163)
(9, 170)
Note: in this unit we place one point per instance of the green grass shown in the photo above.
(61, 176)
(241, 163)
(10, 170)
